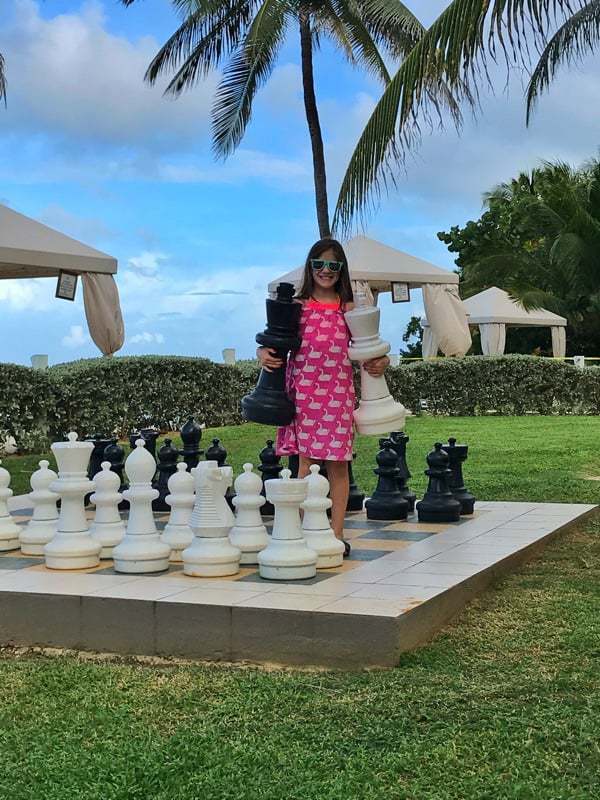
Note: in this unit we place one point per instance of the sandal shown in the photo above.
(347, 548)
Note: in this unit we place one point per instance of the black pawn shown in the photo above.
(399, 442)
(149, 435)
(386, 502)
(269, 467)
(457, 454)
(356, 498)
(115, 455)
(216, 452)
(97, 455)
(191, 433)
(294, 465)
(438, 504)
(168, 456)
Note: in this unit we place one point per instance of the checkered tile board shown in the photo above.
(369, 539)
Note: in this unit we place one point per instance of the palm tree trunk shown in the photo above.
(314, 127)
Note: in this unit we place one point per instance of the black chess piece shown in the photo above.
(115, 455)
(457, 455)
(216, 452)
(149, 435)
(191, 433)
(356, 498)
(399, 442)
(269, 467)
(386, 502)
(268, 404)
(438, 504)
(96, 458)
(294, 465)
(168, 456)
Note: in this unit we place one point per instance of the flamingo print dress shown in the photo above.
(319, 381)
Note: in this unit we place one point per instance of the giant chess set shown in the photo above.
(185, 561)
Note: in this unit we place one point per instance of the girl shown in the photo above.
(319, 376)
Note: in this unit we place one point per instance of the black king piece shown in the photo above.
(268, 404)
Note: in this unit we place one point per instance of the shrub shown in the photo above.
(27, 403)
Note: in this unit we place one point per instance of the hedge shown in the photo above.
(104, 395)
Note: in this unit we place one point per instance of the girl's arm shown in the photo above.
(377, 366)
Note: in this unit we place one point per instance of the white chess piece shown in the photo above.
(210, 554)
(227, 473)
(72, 547)
(378, 412)
(9, 530)
(287, 557)
(315, 523)
(41, 528)
(248, 534)
(107, 528)
(177, 533)
(141, 549)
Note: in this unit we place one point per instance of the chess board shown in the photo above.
(401, 584)
(370, 540)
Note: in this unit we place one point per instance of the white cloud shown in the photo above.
(72, 78)
(76, 337)
(35, 294)
(148, 263)
(147, 337)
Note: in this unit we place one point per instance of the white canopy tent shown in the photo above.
(376, 266)
(494, 310)
(29, 249)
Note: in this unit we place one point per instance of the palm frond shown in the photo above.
(363, 47)
(576, 38)
(248, 69)
(2, 79)
(453, 52)
(209, 33)
(391, 24)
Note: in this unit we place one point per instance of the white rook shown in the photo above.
(287, 557)
(378, 412)
(72, 547)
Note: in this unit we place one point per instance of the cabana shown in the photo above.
(29, 249)
(375, 266)
(493, 310)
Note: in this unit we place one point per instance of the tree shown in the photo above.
(539, 239)
(413, 330)
(246, 37)
(2, 79)
(455, 51)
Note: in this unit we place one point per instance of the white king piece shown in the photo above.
(378, 412)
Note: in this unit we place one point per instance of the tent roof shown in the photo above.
(29, 249)
(496, 305)
(380, 264)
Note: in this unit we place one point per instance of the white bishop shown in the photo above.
(141, 550)
(248, 533)
(41, 528)
(315, 523)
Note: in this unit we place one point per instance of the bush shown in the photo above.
(27, 403)
(475, 385)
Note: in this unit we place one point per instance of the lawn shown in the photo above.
(503, 704)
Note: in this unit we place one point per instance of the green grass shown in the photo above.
(503, 705)
(510, 458)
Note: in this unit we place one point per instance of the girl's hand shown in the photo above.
(376, 366)
(268, 358)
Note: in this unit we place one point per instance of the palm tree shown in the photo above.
(456, 50)
(246, 35)
(2, 79)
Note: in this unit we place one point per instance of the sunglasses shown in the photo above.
(318, 264)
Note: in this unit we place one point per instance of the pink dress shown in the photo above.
(319, 381)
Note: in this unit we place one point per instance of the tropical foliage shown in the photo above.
(244, 37)
(539, 239)
(2, 79)
(456, 51)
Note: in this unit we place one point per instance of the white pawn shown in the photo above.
(177, 533)
(248, 533)
(315, 523)
(41, 528)
(287, 557)
(210, 554)
(108, 528)
(141, 550)
(9, 530)
(72, 547)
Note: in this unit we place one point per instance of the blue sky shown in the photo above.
(87, 147)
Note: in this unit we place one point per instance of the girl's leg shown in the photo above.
(304, 466)
(339, 487)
